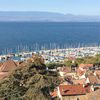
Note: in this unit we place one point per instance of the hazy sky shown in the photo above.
(78, 7)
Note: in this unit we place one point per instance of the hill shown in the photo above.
(46, 17)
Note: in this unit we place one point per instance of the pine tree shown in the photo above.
(31, 82)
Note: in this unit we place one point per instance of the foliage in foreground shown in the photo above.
(31, 82)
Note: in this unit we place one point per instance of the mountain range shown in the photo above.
(45, 17)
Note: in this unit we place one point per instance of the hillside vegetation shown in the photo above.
(29, 82)
(85, 60)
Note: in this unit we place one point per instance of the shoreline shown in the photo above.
(54, 55)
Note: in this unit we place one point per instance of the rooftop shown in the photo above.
(8, 66)
(69, 90)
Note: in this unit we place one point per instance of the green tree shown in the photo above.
(68, 63)
(54, 65)
(79, 61)
(31, 82)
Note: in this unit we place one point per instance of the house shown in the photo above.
(98, 73)
(92, 79)
(63, 71)
(71, 92)
(64, 91)
(6, 67)
(79, 81)
(83, 68)
(80, 71)
(95, 81)
(68, 80)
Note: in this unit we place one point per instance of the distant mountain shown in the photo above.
(46, 17)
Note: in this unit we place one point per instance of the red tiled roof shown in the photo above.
(92, 79)
(85, 65)
(72, 90)
(89, 65)
(7, 66)
(3, 75)
(80, 72)
(81, 65)
(82, 68)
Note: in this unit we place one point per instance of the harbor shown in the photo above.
(53, 55)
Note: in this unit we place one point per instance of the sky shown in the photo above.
(77, 7)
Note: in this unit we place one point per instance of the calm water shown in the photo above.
(13, 34)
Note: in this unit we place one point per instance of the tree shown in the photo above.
(54, 65)
(31, 82)
(80, 61)
(68, 63)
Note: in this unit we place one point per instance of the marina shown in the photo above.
(53, 55)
